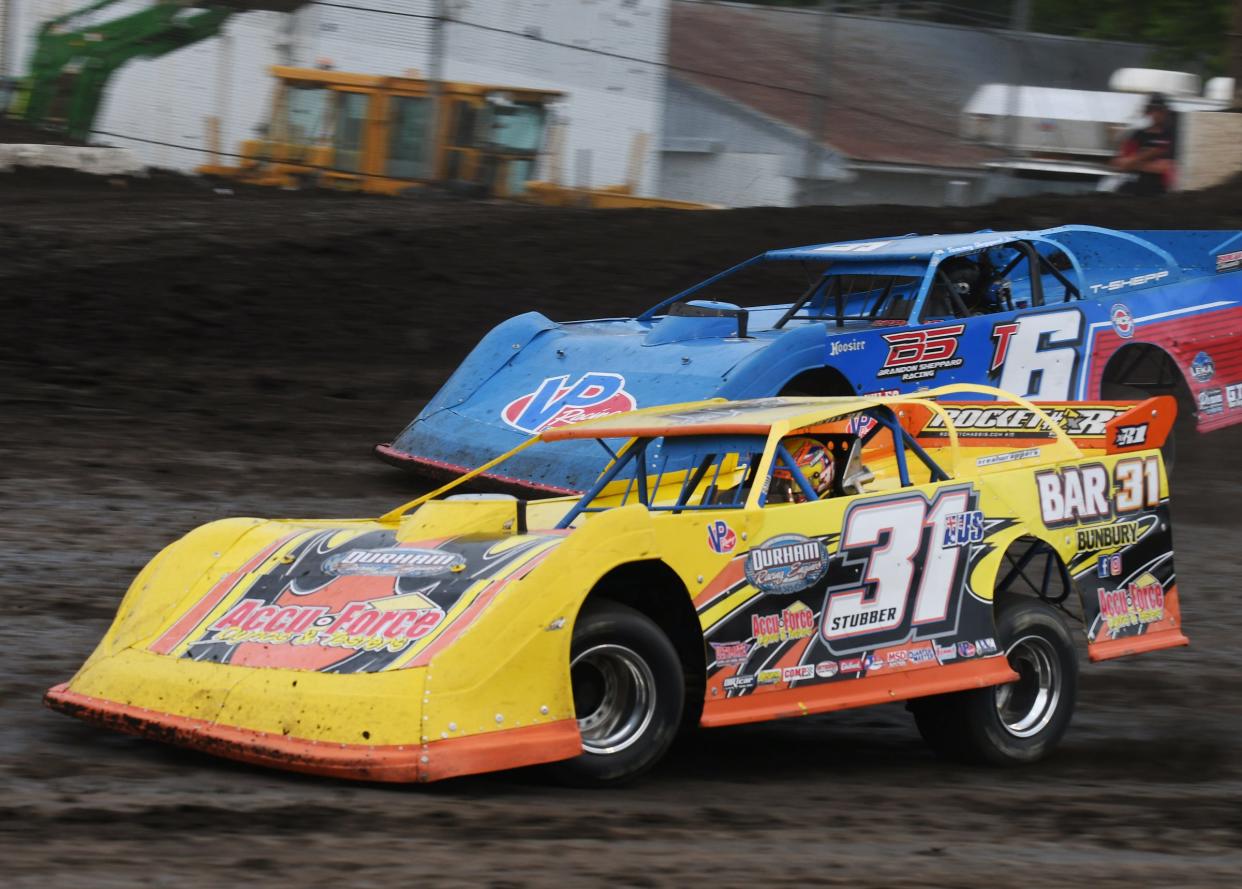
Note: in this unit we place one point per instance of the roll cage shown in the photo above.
(926, 292)
(720, 471)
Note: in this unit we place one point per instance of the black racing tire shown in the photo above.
(629, 694)
(1016, 723)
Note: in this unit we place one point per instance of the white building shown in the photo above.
(159, 107)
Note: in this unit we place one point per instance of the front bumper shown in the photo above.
(432, 761)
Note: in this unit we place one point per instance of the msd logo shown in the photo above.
(557, 402)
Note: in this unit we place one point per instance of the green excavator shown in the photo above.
(77, 53)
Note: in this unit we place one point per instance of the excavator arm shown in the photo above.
(77, 53)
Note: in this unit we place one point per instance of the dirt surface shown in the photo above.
(172, 355)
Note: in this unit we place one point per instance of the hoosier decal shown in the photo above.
(786, 564)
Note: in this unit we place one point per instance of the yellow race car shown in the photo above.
(735, 562)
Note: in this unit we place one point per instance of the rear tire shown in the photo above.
(1016, 723)
(629, 693)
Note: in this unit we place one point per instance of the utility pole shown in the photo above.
(815, 131)
(1234, 61)
(439, 24)
(1020, 15)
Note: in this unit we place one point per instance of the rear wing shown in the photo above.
(1102, 427)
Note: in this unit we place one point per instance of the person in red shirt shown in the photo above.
(1150, 154)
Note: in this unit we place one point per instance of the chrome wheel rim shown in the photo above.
(614, 697)
(1027, 706)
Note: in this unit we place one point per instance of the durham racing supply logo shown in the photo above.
(393, 562)
(786, 564)
(558, 402)
(358, 626)
(921, 354)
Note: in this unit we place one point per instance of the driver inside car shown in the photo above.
(816, 465)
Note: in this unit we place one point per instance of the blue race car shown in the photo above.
(1070, 313)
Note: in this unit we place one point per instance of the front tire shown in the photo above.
(1022, 721)
(629, 693)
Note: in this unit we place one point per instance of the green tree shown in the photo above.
(1186, 33)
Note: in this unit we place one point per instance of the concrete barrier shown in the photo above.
(99, 161)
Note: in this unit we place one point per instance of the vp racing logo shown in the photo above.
(558, 402)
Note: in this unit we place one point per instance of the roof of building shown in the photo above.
(883, 105)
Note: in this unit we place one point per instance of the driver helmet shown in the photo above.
(816, 464)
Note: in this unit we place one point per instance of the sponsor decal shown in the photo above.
(826, 669)
(795, 622)
(359, 626)
(393, 562)
(1227, 262)
(851, 664)
(1233, 394)
(1109, 536)
(720, 537)
(558, 402)
(874, 662)
(966, 649)
(1211, 401)
(739, 683)
(1074, 494)
(1019, 422)
(881, 393)
(798, 673)
(921, 354)
(986, 646)
(963, 528)
(922, 656)
(993, 459)
(863, 247)
(1132, 605)
(1122, 320)
(1002, 333)
(768, 677)
(946, 652)
(730, 654)
(1108, 566)
(861, 424)
(1131, 436)
(1123, 283)
(839, 346)
(786, 564)
(897, 658)
(1203, 368)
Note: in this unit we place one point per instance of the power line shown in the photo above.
(668, 66)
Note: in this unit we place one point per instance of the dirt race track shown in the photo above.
(171, 355)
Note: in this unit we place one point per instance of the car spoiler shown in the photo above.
(1102, 426)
